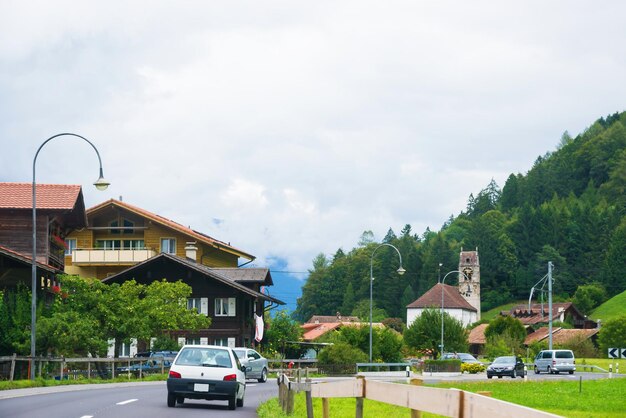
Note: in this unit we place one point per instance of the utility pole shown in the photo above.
(550, 304)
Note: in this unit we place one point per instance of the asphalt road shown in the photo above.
(123, 401)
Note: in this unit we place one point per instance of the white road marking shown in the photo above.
(125, 402)
(87, 416)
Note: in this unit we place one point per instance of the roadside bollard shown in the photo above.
(616, 368)
(525, 373)
(611, 371)
(408, 371)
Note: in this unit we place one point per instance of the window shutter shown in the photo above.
(111, 347)
(231, 306)
(204, 306)
(133, 347)
(231, 342)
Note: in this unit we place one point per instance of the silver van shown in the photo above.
(555, 361)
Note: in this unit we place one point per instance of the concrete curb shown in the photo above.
(16, 393)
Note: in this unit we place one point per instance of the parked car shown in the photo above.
(464, 357)
(206, 372)
(152, 363)
(256, 364)
(506, 366)
(555, 361)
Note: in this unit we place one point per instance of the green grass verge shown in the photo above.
(602, 398)
(611, 309)
(23, 384)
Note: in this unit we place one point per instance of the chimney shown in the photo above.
(191, 250)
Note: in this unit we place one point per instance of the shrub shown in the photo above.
(472, 368)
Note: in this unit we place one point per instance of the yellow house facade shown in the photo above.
(120, 235)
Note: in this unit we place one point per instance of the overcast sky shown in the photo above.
(288, 128)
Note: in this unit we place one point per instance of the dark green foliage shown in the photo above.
(505, 336)
(282, 328)
(341, 353)
(588, 297)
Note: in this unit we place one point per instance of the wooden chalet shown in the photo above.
(60, 209)
(233, 298)
(120, 235)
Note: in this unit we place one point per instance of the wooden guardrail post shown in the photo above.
(325, 408)
(414, 412)
(290, 399)
(88, 370)
(12, 367)
(359, 400)
(308, 397)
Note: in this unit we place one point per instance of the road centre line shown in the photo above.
(126, 402)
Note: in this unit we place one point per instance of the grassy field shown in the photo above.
(611, 309)
(602, 398)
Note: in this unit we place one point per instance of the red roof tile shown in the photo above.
(560, 335)
(432, 299)
(477, 334)
(49, 196)
(27, 259)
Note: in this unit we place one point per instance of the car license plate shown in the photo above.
(201, 387)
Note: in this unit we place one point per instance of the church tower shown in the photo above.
(469, 285)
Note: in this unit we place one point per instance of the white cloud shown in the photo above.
(288, 129)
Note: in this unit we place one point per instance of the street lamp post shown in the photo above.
(101, 184)
(400, 271)
(442, 283)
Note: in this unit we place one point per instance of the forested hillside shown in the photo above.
(570, 208)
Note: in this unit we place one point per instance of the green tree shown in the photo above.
(505, 335)
(612, 334)
(425, 333)
(282, 328)
(362, 311)
(341, 353)
(588, 297)
(348, 300)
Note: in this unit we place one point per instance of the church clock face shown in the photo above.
(468, 273)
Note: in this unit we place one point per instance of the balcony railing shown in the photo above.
(99, 256)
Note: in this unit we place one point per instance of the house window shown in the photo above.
(133, 244)
(70, 245)
(193, 303)
(108, 244)
(168, 245)
(113, 225)
(128, 224)
(224, 306)
(221, 341)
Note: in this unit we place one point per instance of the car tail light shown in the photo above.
(230, 377)
(175, 375)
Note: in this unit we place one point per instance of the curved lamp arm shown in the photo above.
(101, 184)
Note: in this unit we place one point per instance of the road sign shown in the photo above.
(623, 354)
(614, 352)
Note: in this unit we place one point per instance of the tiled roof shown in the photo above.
(477, 334)
(538, 313)
(560, 335)
(49, 196)
(432, 299)
(314, 331)
(201, 268)
(247, 275)
(326, 319)
(171, 224)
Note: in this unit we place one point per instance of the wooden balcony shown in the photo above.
(93, 257)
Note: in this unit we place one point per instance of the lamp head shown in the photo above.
(401, 271)
(101, 184)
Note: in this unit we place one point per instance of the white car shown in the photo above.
(206, 372)
(256, 364)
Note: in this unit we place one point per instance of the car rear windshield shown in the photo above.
(204, 356)
(564, 354)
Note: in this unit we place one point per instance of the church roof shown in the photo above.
(452, 299)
